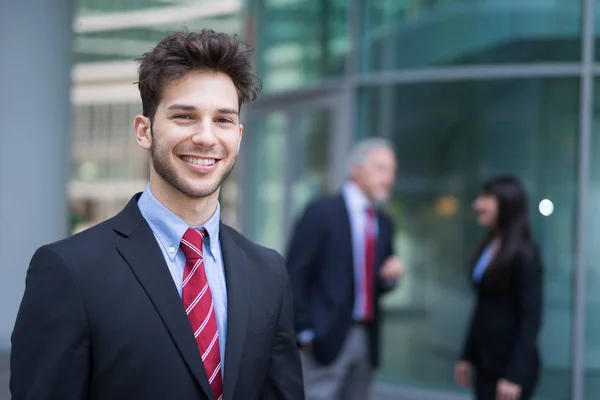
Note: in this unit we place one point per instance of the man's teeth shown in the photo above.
(200, 161)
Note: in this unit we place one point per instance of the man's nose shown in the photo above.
(204, 133)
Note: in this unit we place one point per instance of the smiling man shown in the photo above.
(163, 301)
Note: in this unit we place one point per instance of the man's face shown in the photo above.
(196, 134)
(377, 174)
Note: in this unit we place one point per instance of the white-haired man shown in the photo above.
(341, 260)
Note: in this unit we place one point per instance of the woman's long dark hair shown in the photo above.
(512, 227)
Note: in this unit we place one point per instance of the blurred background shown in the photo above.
(465, 89)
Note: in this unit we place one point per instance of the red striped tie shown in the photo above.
(197, 300)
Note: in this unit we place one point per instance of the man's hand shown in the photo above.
(506, 390)
(392, 269)
(462, 373)
(305, 339)
(306, 345)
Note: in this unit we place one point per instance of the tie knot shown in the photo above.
(370, 210)
(191, 243)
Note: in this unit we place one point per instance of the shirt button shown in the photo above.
(171, 250)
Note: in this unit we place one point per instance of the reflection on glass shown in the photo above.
(416, 33)
(103, 147)
(264, 161)
(107, 164)
(546, 207)
(592, 342)
(299, 42)
(284, 174)
(126, 44)
(450, 137)
(310, 136)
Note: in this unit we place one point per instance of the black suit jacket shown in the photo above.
(502, 336)
(321, 265)
(102, 319)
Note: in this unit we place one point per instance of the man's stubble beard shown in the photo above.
(163, 169)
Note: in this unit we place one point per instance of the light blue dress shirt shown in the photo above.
(483, 262)
(168, 229)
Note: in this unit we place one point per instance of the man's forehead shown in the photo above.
(378, 153)
(199, 88)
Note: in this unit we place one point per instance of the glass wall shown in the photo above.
(450, 138)
(108, 166)
(466, 89)
(309, 157)
(424, 33)
(103, 6)
(299, 42)
(128, 44)
(264, 183)
(103, 144)
(286, 163)
(122, 30)
(592, 353)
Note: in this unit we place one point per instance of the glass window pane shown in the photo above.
(592, 344)
(450, 137)
(416, 33)
(103, 147)
(597, 32)
(280, 181)
(264, 185)
(104, 6)
(299, 42)
(310, 163)
(93, 44)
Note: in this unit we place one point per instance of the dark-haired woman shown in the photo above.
(500, 351)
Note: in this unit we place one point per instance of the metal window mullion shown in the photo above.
(585, 134)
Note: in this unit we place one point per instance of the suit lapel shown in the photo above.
(141, 251)
(238, 297)
(382, 239)
(345, 226)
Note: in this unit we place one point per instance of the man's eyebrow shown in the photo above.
(228, 111)
(185, 107)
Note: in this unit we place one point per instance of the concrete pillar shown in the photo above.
(35, 132)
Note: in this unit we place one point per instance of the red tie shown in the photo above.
(197, 300)
(370, 243)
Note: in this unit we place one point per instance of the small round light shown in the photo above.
(546, 207)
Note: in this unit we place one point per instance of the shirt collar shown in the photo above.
(169, 228)
(355, 198)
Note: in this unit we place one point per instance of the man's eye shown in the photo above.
(182, 116)
(224, 121)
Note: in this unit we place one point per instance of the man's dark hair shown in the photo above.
(182, 52)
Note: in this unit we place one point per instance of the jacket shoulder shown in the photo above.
(327, 200)
(88, 244)
(264, 255)
(323, 205)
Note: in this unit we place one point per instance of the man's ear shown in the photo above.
(142, 130)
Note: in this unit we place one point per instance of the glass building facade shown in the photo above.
(107, 165)
(465, 89)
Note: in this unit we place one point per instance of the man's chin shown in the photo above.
(200, 191)
(193, 188)
(380, 200)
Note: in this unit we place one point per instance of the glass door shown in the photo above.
(288, 158)
(309, 163)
